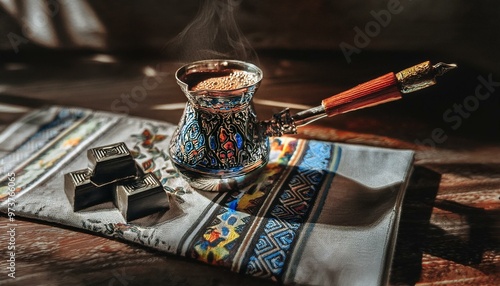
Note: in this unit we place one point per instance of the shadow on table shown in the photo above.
(414, 223)
(462, 234)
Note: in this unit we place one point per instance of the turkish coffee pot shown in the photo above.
(220, 145)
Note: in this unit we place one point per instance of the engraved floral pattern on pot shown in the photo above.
(223, 141)
(190, 145)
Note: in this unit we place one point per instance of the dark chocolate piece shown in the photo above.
(111, 163)
(141, 197)
(82, 193)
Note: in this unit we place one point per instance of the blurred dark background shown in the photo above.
(465, 30)
(293, 41)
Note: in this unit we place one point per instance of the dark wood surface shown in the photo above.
(449, 229)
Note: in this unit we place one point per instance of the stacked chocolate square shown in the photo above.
(113, 175)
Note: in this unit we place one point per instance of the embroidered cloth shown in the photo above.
(320, 214)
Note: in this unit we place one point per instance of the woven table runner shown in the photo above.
(320, 214)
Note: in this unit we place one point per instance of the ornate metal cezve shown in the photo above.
(219, 145)
(221, 142)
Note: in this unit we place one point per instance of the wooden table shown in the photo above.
(449, 229)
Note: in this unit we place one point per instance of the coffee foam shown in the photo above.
(234, 80)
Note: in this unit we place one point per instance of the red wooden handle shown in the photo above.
(380, 90)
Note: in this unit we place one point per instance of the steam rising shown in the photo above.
(212, 34)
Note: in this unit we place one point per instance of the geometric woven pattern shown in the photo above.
(289, 212)
(219, 240)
